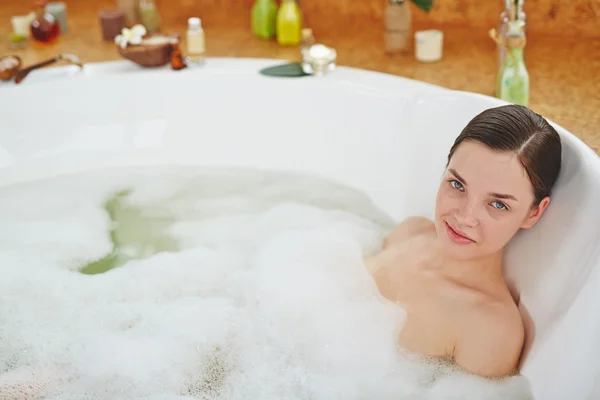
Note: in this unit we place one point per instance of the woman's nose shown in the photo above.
(466, 215)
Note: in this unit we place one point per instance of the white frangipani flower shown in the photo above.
(131, 36)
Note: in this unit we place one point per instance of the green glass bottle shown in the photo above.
(149, 15)
(264, 18)
(513, 78)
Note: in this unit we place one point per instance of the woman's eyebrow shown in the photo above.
(503, 196)
(460, 178)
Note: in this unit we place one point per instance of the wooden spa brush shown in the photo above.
(72, 58)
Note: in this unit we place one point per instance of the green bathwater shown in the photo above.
(136, 233)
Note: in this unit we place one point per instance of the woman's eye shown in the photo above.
(456, 184)
(499, 205)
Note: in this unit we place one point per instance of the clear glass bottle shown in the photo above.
(131, 10)
(398, 26)
(513, 10)
(513, 78)
(149, 16)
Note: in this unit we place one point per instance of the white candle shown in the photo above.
(428, 45)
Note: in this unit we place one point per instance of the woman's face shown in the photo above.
(484, 198)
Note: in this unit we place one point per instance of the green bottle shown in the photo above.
(513, 78)
(264, 18)
(289, 23)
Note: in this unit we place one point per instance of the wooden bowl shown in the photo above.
(154, 51)
(8, 72)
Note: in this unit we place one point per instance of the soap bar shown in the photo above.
(112, 23)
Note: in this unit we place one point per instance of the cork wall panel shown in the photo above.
(552, 16)
(556, 17)
(560, 17)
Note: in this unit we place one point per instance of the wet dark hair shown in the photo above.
(514, 128)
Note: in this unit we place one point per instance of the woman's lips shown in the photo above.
(456, 237)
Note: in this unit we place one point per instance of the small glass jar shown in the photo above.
(318, 59)
(17, 41)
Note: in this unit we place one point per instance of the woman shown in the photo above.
(447, 273)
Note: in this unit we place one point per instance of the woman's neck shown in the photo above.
(474, 272)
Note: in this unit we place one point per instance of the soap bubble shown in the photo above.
(223, 284)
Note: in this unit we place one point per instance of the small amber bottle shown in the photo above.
(44, 28)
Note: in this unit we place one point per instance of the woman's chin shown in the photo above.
(460, 252)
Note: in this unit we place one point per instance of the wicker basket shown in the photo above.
(154, 51)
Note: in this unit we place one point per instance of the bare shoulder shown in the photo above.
(491, 340)
(408, 228)
(395, 244)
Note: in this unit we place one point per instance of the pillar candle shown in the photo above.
(59, 11)
(112, 23)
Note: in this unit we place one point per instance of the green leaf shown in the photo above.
(424, 5)
(288, 70)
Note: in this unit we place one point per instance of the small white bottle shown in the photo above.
(196, 46)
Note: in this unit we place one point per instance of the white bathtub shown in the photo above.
(385, 135)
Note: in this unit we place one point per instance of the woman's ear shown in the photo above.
(536, 213)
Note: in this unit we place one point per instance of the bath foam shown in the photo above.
(260, 292)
